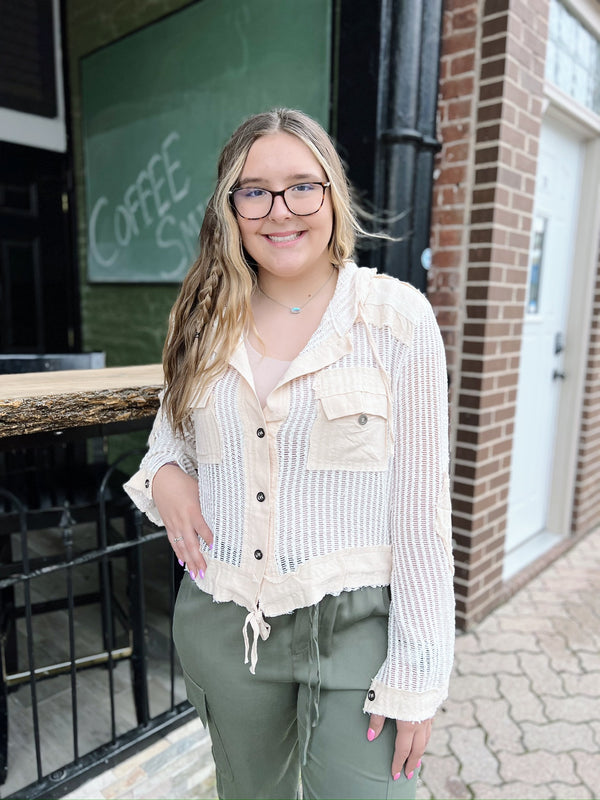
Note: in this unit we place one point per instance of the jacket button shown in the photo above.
(147, 483)
(371, 694)
(363, 419)
(258, 555)
(260, 433)
(260, 497)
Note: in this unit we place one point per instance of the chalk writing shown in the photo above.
(152, 201)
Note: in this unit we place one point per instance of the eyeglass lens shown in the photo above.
(302, 199)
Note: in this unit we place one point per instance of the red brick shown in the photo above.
(459, 42)
(493, 68)
(509, 177)
(491, 48)
(488, 155)
(450, 237)
(495, 7)
(490, 91)
(488, 133)
(494, 26)
(513, 94)
(458, 87)
(462, 64)
(480, 215)
(459, 109)
(486, 174)
(489, 112)
(458, 152)
(484, 196)
(455, 132)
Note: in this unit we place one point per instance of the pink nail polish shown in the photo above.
(396, 776)
(410, 774)
(201, 573)
(418, 763)
(180, 562)
(370, 734)
(192, 575)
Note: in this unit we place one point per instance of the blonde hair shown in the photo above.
(213, 306)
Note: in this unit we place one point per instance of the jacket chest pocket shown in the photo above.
(209, 448)
(352, 429)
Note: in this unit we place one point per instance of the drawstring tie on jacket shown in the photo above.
(260, 627)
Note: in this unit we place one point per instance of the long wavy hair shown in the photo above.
(213, 306)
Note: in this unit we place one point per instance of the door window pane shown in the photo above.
(535, 265)
(573, 57)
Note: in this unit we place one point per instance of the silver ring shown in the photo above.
(178, 539)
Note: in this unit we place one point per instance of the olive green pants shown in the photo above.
(299, 718)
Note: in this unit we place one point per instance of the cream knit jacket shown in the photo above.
(340, 482)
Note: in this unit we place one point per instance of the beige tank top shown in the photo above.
(267, 372)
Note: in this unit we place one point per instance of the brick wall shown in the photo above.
(586, 505)
(490, 115)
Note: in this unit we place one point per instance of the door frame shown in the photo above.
(586, 125)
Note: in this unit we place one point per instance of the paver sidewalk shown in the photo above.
(523, 716)
(522, 719)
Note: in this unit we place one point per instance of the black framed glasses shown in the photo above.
(301, 199)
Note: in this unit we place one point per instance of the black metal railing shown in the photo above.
(86, 601)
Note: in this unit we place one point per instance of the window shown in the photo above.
(535, 265)
(573, 57)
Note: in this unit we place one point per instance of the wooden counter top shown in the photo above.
(33, 402)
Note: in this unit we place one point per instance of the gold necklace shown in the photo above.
(296, 309)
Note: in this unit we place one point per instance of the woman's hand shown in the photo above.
(411, 741)
(175, 495)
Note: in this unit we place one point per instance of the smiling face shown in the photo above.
(283, 244)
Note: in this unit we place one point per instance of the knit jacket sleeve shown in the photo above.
(164, 447)
(413, 681)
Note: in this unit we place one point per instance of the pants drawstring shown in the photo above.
(260, 627)
(314, 679)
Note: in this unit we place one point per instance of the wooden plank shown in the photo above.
(48, 401)
(45, 384)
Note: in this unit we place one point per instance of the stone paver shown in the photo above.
(439, 744)
(538, 768)
(478, 762)
(467, 687)
(578, 708)
(595, 726)
(455, 712)
(542, 677)
(508, 642)
(561, 791)
(562, 658)
(485, 664)
(590, 662)
(441, 776)
(516, 790)
(524, 704)
(525, 623)
(587, 684)
(522, 719)
(556, 736)
(502, 732)
(587, 766)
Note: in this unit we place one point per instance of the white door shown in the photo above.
(541, 373)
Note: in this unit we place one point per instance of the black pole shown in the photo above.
(384, 111)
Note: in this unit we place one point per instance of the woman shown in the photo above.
(299, 464)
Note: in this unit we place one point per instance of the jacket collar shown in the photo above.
(332, 338)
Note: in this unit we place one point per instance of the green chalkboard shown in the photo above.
(158, 106)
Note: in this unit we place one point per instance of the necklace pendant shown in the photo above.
(295, 310)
